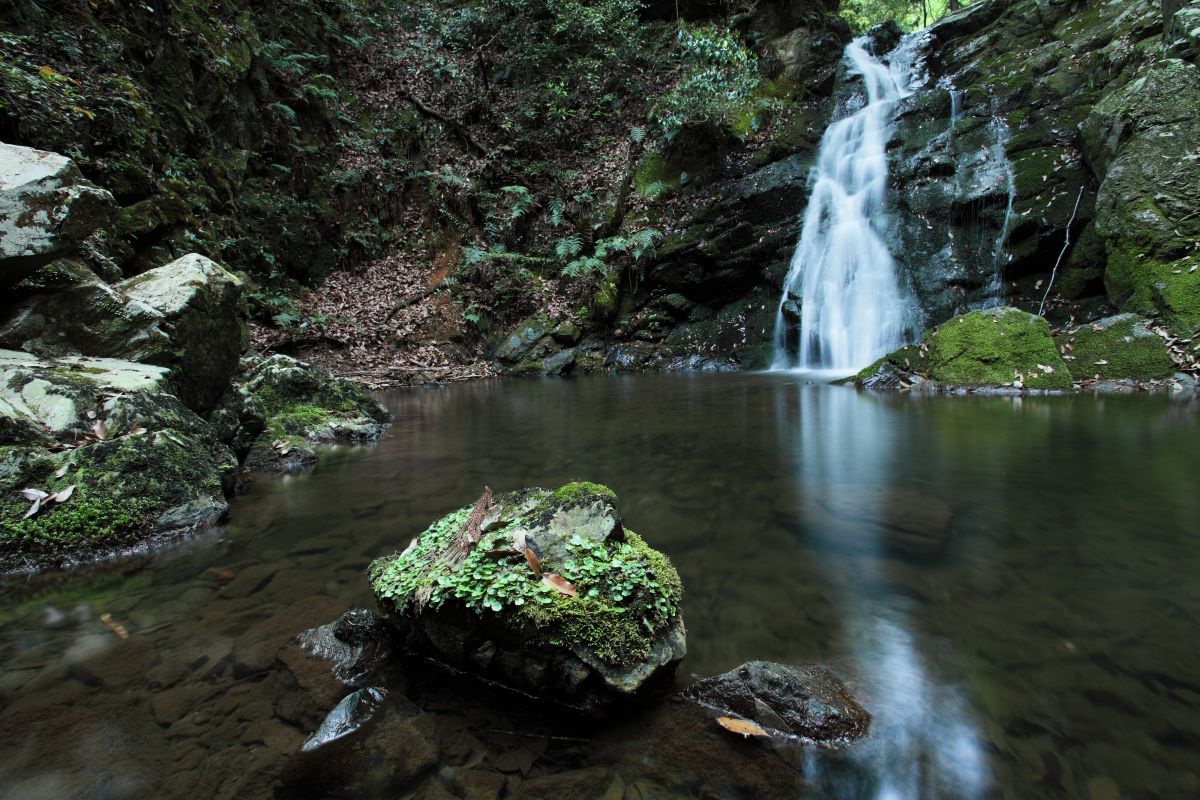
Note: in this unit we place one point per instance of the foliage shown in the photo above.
(636, 246)
(908, 14)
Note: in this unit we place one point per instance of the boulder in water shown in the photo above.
(808, 702)
(1118, 347)
(544, 592)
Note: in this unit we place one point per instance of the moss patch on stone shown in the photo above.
(1118, 347)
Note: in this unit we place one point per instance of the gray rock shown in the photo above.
(347, 717)
(47, 209)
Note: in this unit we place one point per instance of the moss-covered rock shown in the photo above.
(587, 614)
(278, 407)
(144, 467)
(994, 347)
(1117, 347)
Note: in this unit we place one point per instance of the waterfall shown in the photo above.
(854, 308)
(995, 288)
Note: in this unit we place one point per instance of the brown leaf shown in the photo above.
(100, 429)
(743, 726)
(221, 574)
(560, 583)
(114, 626)
(472, 530)
(534, 563)
(502, 553)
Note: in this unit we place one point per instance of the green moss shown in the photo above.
(580, 492)
(1149, 286)
(995, 347)
(655, 176)
(84, 522)
(1119, 347)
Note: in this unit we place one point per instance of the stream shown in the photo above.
(1008, 585)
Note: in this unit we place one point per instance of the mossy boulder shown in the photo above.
(545, 592)
(279, 407)
(994, 347)
(144, 467)
(530, 340)
(187, 315)
(1118, 347)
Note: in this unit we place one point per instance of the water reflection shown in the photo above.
(849, 442)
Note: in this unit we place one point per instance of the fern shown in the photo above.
(582, 266)
(654, 189)
(642, 242)
(637, 134)
(522, 201)
(557, 209)
(285, 109)
(568, 247)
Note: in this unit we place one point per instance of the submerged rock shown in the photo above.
(544, 592)
(808, 702)
(279, 406)
(47, 209)
(997, 347)
(143, 466)
(349, 716)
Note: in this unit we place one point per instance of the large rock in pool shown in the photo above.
(118, 461)
(808, 702)
(187, 315)
(1118, 347)
(998, 347)
(279, 406)
(544, 592)
(46, 209)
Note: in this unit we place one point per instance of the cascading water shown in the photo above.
(853, 306)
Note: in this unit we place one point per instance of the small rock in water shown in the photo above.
(347, 717)
(798, 701)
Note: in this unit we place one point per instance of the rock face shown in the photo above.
(997, 347)
(544, 592)
(187, 315)
(808, 702)
(278, 407)
(144, 467)
(46, 210)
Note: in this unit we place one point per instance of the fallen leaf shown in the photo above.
(33, 509)
(519, 541)
(559, 582)
(34, 494)
(114, 626)
(410, 547)
(534, 563)
(100, 429)
(1101, 362)
(221, 574)
(91, 414)
(743, 726)
(62, 470)
(63, 495)
(138, 432)
(502, 553)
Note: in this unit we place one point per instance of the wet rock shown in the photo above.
(589, 617)
(560, 363)
(47, 209)
(597, 782)
(522, 343)
(992, 348)
(475, 784)
(357, 645)
(808, 702)
(349, 716)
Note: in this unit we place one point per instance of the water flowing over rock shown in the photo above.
(544, 592)
(852, 304)
(47, 209)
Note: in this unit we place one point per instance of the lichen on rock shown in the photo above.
(587, 614)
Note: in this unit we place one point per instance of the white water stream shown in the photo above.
(854, 308)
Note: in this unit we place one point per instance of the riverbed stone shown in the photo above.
(589, 616)
(47, 209)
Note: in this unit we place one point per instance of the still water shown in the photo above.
(1009, 585)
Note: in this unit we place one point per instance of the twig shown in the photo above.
(412, 299)
(458, 127)
(547, 736)
(1063, 252)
